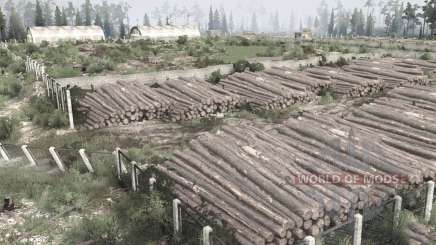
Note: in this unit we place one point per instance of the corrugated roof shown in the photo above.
(164, 32)
(64, 33)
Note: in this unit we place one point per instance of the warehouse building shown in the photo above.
(54, 34)
(165, 33)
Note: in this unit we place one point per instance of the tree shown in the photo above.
(107, 25)
(70, 13)
(224, 26)
(98, 21)
(370, 25)
(146, 20)
(331, 23)
(2, 26)
(79, 21)
(316, 24)
(276, 22)
(292, 22)
(254, 27)
(323, 14)
(216, 20)
(122, 30)
(87, 11)
(39, 17)
(29, 14)
(58, 17)
(361, 24)
(64, 17)
(16, 28)
(47, 12)
(231, 23)
(211, 24)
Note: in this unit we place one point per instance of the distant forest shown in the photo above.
(393, 18)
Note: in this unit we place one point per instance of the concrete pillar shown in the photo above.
(429, 200)
(151, 182)
(309, 240)
(357, 236)
(134, 176)
(121, 168)
(397, 210)
(86, 161)
(206, 235)
(70, 109)
(56, 158)
(4, 153)
(28, 155)
(177, 216)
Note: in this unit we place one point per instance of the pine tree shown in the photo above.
(16, 28)
(224, 26)
(58, 17)
(254, 27)
(370, 25)
(361, 24)
(146, 20)
(216, 20)
(64, 17)
(79, 21)
(211, 25)
(87, 9)
(98, 21)
(39, 17)
(122, 30)
(107, 25)
(331, 23)
(47, 12)
(231, 23)
(2, 26)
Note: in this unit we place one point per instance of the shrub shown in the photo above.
(205, 61)
(255, 67)
(63, 71)
(17, 67)
(426, 56)
(240, 65)
(341, 62)
(182, 40)
(43, 113)
(10, 87)
(215, 77)
(100, 66)
(295, 53)
(5, 59)
(363, 49)
(7, 127)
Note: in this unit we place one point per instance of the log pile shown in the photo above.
(419, 234)
(251, 178)
(274, 88)
(193, 98)
(345, 84)
(392, 76)
(121, 104)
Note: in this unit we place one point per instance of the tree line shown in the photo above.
(112, 17)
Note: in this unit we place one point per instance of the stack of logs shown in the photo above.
(419, 234)
(389, 72)
(122, 103)
(345, 84)
(274, 88)
(253, 179)
(194, 98)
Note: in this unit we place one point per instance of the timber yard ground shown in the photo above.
(224, 142)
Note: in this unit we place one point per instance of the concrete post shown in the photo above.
(177, 217)
(206, 235)
(56, 158)
(4, 153)
(429, 201)
(121, 168)
(70, 109)
(397, 210)
(28, 155)
(357, 236)
(86, 161)
(134, 176)
(151, 182)
(309, 240)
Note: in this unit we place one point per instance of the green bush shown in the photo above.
(363, 49)
(7, 127)
(10, 87)
(341, 62)
(5, 59)
(17, 67)
(215, 77)
(295, 53)
(240, 65)
(43, 113)
(426, 56)
(100, 66)
(182, 40)
(255, 67)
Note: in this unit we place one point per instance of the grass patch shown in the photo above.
(44, 114)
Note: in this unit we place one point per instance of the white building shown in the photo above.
(165, 33)
(54, 34)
